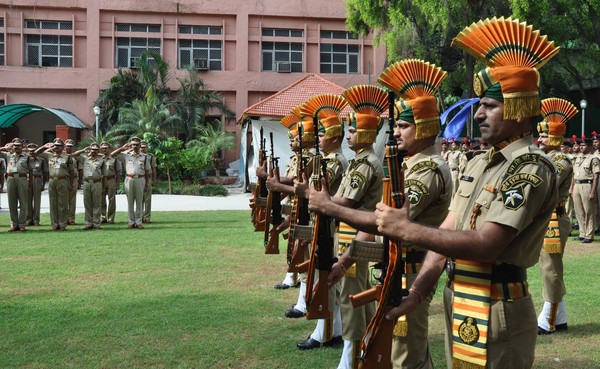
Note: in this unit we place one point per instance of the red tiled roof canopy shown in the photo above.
(280, 104)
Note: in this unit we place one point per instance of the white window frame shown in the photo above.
(51, 49)
(274, 52)
(341, 60)
(200, 48)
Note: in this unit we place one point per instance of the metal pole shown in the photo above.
(582, 122)
(97, 127)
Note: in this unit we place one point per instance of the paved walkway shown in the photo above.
(237, 200)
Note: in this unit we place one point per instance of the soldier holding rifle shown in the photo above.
(428, 185)
(500, 213)
(330, 134)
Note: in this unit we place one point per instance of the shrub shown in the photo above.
(212, 190)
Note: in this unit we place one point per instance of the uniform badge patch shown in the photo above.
(356, 178)
(513, 196)
(414, 196)
(468, 331)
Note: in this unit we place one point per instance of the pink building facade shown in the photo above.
(63, 54)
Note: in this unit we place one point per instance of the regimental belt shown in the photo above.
(582, 181)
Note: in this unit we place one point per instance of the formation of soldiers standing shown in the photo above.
(483, 214)
(65, 171)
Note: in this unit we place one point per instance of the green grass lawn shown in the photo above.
(194, 290)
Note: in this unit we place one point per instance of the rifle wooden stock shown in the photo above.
(260, 188)
(272, 246)
(298, 257)
(364, 297)
(377, 341)
(302, 267)
(319, 306)
(380, 351)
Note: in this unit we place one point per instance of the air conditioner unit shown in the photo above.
(283, 67)
(133, 62)
(201, 64)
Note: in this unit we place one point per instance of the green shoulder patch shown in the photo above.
(415, 190)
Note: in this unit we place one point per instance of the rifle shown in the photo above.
(261, 192)
(273, 210)
(377, 341)
(300, 230)
(321, 254)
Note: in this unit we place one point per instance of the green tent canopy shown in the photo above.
(10, 114)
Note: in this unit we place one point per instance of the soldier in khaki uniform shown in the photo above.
(445, 150)
(93, 183)
(75, 182)
(137, 169)
(454, 162)
(61, 169)
(583, 189)
(556, 114)
(151, 179)
(498, 217)
(18, 171)
(330, 131)
(427, 181)
(112, 181)
(360, 188)
(2, 173)
(40, 176)
(285, 186)
(290, 121)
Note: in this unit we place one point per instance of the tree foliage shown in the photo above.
(425, 29)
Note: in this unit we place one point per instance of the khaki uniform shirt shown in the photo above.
(17, 164)
(518, 188)
(135, 165)
(59, 165)
(39, 166)
(363, 180)
(564, 173)
(586, 165)
(93, 168)
(454, 159)
(112, 166)
(428, 187)
(336, 166)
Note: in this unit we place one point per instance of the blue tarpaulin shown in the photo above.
(455, 126)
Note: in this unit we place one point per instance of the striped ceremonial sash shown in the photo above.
(552, 238)
(345, 236)
(470, 314)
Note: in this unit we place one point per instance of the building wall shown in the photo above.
(241, 80)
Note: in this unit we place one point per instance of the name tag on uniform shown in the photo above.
(466, 178)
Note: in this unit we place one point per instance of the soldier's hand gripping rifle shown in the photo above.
(273, 209)
(300, 231)
(261, 191)
(321, 253)
(377, 341)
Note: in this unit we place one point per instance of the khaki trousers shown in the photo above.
(18, 197)
(109, 204)
(58, 193)
(134, 189)
(585, 210)
(148, 201)
(73, 200)
(92, 201)
(355, 320)
(33, 205)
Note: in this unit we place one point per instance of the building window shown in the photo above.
(46, 24)
(1, 48)
(128, 49)
(203, 54)
(339, 58)
(201, 30)
(147, 28)
(48, 50)
(282, 56)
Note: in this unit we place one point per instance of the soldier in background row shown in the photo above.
(40, 177)
(583, 190)
(112, 176)
(75, 183)
(18, 171)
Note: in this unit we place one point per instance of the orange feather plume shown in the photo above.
(558, 110)
(412, 78)
(366, 99)
(323, 106)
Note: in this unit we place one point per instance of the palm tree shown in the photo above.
(211, 140)
(195, 101)
(123, 88)
(146, 117)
